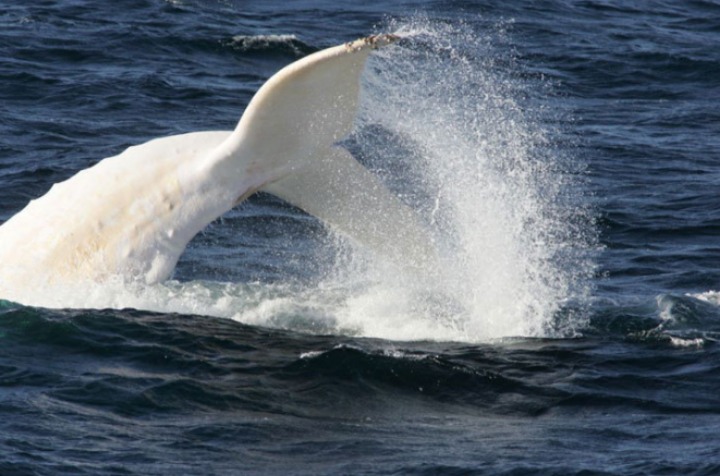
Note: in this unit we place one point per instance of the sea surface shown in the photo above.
(565, 157)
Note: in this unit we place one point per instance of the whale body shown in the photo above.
(131, 216)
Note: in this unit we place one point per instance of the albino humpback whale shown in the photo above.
(131, 216)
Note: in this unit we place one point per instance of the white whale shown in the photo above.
(131, 216)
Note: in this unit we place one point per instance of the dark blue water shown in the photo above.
(246, 364)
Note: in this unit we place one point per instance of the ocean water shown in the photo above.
(562, 154)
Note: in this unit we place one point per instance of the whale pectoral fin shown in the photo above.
(349, 198)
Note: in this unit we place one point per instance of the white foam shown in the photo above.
(712, 297)
(684, 343)
(251, 42)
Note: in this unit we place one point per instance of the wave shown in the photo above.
(270, 45)
(679, 321)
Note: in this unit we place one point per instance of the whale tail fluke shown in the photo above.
(131, 215)
(287, 139)
(349, 198)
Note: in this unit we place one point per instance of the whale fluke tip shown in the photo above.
(373, 41)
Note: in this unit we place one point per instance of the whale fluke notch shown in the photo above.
(131, 216)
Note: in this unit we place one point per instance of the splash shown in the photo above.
(464, 138)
